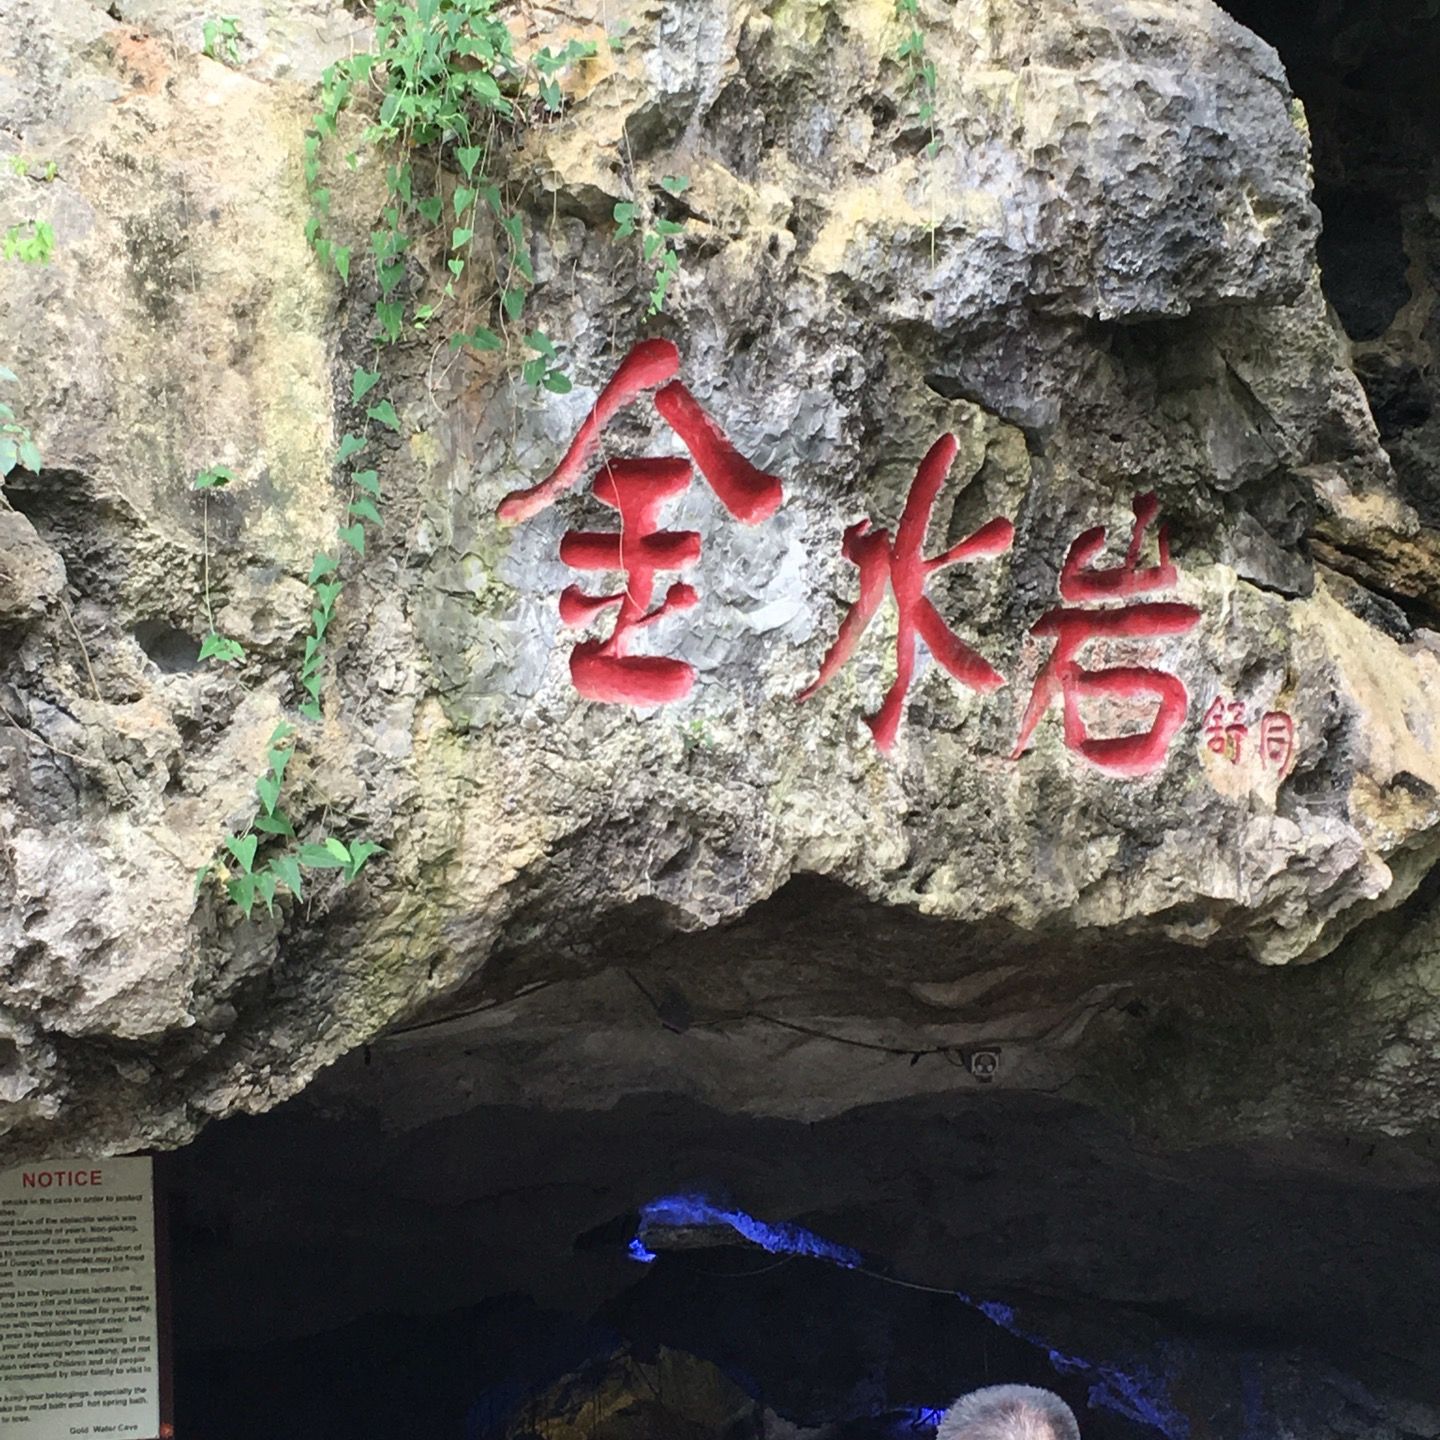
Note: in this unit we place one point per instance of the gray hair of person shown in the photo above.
(1009, 1412)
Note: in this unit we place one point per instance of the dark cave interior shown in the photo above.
(1149, 1290)
(1366, 76)
(383, 1254)
(345, 1267)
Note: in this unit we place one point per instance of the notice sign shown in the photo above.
(79, 1330)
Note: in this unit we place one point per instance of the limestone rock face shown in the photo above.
(1094, 268)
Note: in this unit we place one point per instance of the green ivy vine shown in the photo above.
(447, 88)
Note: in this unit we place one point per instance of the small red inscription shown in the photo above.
(1063, 676)
(907, 572)
(1225, 728)
(638, 489)
(1277, 741)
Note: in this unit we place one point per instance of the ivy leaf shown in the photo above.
(286, 869)
(354, 537)
(310, 709)
(675, 184)
(30, 456)
(479, 339)
(337, 849)
(651, 246)
(558, 383)
(265, 884)
(391, 315)
(349, 445)
(384, 414)
(6, 373)
(463, 199)
(369, 481)
(340, 254)
(365, 510)
(220, 647)
(215, 478)
(323, 564)
(200, 875)
(360, 852)
(456, 267)
(282, 731)
(329, 592)
(319, 857)
(268, 790)
(668, 227)
(362, 382)
(460, 236)
(243, 848)
(469, 157)
(430, 209)
(514, 303)
(485, 87)
(539, 341)
(242, 891)
(275, 825)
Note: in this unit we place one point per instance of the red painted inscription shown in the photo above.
(1225, 728)
(907, 571)
(638, 489)
(1226, 731)
(1063, 676)
(1277, 741)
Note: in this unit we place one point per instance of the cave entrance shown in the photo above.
(609, 1210)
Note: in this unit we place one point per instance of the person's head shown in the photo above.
(1009, 1412)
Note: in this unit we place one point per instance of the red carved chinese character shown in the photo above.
(1225, 728)
(639, 489)
(908, 572)
(604, 669)
(1064, 676)
(1277, 741)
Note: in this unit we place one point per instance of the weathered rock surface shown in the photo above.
(1101, 280)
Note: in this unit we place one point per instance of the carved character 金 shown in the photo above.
(1064, 677)
(907, 572)
(638, 489)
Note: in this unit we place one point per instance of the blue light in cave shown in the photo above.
(924, 1417)
(1139, 1396)
(994, 1311)
(680, 1210)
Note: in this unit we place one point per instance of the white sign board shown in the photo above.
(79, 1331)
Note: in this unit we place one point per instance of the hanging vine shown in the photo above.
(447, 89)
